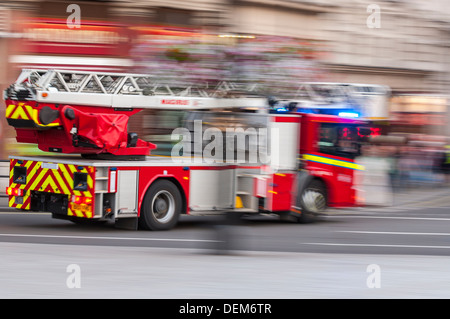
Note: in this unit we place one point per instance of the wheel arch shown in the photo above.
(325, 184)
(175, 182)
(305, 178)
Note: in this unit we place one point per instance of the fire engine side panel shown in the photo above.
(211, 189)
(284, 141)
(285, 136)
(338, 173)
(179, 175)
(280, 191)
(127, 192)
(338, 177)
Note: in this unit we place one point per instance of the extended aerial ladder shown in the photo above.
(87, 112)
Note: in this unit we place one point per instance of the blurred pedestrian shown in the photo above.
(406, 165)
(394, 171)
(445, 164)
(374, 185)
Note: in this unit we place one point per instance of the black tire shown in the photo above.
(313, 201)
(161, 207)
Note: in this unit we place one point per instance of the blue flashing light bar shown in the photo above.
(348, 114)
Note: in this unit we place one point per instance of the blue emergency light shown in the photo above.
(348, 114)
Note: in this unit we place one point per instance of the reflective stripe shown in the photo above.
(332, 161)
(57, 181)
(21, 111)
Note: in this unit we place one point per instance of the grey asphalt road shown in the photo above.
(401, 252)
(411, 230)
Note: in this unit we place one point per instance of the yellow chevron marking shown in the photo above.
(61, 177)
(49, 180)
(90, 181)
(19, 113)
(9, 109)
(65, 190)
(38, 179)
(66, 175)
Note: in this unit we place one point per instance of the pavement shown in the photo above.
(53, 271)
(113, 272)
(406, 200)
(421, 196)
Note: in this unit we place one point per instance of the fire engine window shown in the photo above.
(339, 140)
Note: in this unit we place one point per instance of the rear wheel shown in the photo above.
(161, 207)
(313, 201)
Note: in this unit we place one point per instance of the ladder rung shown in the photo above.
(124, 90)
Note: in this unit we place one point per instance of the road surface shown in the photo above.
(396, 252)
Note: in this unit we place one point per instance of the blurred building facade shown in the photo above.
(407, 50)
(400, 43)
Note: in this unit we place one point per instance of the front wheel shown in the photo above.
(161, 207)
(313, 201)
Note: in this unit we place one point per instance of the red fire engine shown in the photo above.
(311, 163)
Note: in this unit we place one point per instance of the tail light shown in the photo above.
(12, 191)
(81, 200)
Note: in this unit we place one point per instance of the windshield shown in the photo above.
(342, 140)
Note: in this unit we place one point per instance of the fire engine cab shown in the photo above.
(309, 161)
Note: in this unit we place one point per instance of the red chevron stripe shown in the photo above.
(13, 162)
(29, 169)
(69, 184)
(39, 184)
(27, 201)
(21, 115)
(33, 178)
(57, 182)
(27, 113)
(48, 188)
(11, 167)
(14, 109)
(67, 166)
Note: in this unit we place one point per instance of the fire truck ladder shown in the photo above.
(123, 90)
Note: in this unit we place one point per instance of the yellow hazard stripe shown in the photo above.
(9, 109)
(60, 181)
(65, 178)
(20, 113)
(30, 114)
(332, 161)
